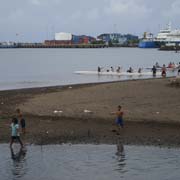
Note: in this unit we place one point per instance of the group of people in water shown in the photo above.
(154, 69)
(163, 69)
(118, 70)
(111, 69)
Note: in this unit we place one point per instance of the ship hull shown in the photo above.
(147, 44)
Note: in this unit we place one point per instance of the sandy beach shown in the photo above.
(82, 113)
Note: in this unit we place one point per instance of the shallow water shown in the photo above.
(23, 68)
(79, 162)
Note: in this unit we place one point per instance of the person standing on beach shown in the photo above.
(15, 135)
(119, 117)
(22, 121)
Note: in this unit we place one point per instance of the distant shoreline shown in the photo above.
(51, 87)
(41, 45)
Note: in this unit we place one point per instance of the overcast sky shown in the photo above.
(37, 20)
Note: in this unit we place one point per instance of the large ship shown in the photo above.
(169, 37)
(173, 37)
(172, 42)
(163, 34)
(147, 41)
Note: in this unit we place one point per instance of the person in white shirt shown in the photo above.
(15, 135)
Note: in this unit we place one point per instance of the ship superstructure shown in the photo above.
(163, 33)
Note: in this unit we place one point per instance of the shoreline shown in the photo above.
(51, 87)
(151, 113)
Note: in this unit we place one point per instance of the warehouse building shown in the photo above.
(117, 38)
(63, 38)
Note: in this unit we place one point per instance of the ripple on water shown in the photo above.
(89, 162)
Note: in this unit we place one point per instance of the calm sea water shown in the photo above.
(22, 68)
(97, 162)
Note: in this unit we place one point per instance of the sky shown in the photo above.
(37, 20)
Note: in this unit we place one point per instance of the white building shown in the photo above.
(62, 36)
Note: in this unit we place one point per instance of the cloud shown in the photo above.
(93, 14)
(76, 15)
(127, 8)
(175, 7)
(174, 10)
(35, 17)
(35, 2)
(16, 15)
(40, 2)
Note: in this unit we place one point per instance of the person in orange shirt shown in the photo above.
(119, 117)
(163, 70)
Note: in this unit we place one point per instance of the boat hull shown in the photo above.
(147, 44)
(116, 73)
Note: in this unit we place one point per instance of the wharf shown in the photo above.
(39, 45)
(170, 48)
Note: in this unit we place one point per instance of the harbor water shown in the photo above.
(97, 162)
(24, 68)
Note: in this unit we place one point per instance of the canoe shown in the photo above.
(116, 73)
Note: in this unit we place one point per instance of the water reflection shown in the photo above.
(120, 155)
(79, 162)
(18, 169)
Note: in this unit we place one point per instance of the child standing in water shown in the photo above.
(15, 132)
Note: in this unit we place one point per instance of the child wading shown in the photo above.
(15, 132)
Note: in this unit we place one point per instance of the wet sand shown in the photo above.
(81, 113)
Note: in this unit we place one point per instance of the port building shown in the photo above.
(117, 38)
(63, 38)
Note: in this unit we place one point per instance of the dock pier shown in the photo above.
(39, 45)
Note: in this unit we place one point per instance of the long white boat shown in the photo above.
(117, 73)
(167, 68)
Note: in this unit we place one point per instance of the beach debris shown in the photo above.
(87, 111)
(175, 82)
(113, 130)
(70, 87)
(157, 112)
(47, 132)
(57, 111)
(2, 102)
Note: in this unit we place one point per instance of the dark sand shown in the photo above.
(151, 113)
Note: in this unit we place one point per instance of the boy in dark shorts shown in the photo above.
(119, 117)
(154, 70)
(22, 121)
